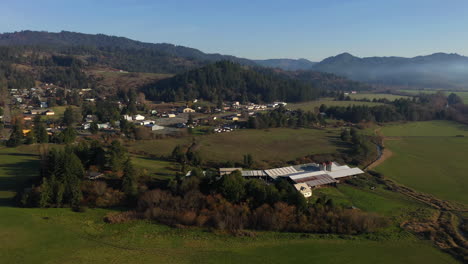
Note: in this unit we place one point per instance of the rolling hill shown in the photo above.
(437, 71)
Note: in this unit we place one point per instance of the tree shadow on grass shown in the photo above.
(17, 176)
(342, 147)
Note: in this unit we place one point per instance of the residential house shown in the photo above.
(139, 117)
(304, 189)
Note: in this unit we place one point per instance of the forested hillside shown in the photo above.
(230, 81)
(76, 60)
(118, 52)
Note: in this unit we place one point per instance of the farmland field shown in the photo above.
(62, 236)
(372, 96)
(312, 105)
(463, 94)
(429, 157)
(270, 144)
(59, 235)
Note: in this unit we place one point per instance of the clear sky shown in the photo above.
(259, 29)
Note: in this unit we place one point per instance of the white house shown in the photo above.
(139, 117)
(304, 189)
(104, 126)
(127, 117)
(155, 127)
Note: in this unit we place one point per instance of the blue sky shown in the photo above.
(260, 29)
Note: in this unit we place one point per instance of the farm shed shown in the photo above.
(227, 171)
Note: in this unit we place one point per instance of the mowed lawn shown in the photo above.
(372, 96)
(313, 105)
(430, 158)
(270, 144)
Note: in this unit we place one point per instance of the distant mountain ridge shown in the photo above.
(68, 38)
(438, 70)
(287, 64)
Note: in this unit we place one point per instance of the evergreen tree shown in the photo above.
(248, 161)
(68, 135)
(40, 130)
(17, 136)
(129, 183)
(46, 193)
(94, 129)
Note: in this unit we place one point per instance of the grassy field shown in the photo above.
(62, 236)
(372, 96)
(378, 200)
(271, 144)
(58, 235)
(17, 165)
(429, 158)
(155, 167)
(312, 105)
(463, 95)
(59, 111)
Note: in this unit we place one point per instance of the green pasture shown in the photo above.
(59, 235)
(463, 94)
(377, 96)
(429, 157)
(313, 105)
(281, 144)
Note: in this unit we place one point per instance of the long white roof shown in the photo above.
(345, 172)
(300, 175)
(274, 173)
(253, 173)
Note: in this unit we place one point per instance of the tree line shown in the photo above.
(281, 117)
(233, 203)
(421, 108)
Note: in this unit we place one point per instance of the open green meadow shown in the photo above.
(314, 105)
(269, 144)
(155, 167)
(463, 94)
(379, 200)
(377, 96)
(17, 166)
(59, 111)
(58, 235)
(62, 236)
(429, 157)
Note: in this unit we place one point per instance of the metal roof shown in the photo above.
(317, 180)
(223, 171)
(275, 173)
(345, 172)
(300, 175)
(254, 173)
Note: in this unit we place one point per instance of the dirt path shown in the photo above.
(386, 154)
